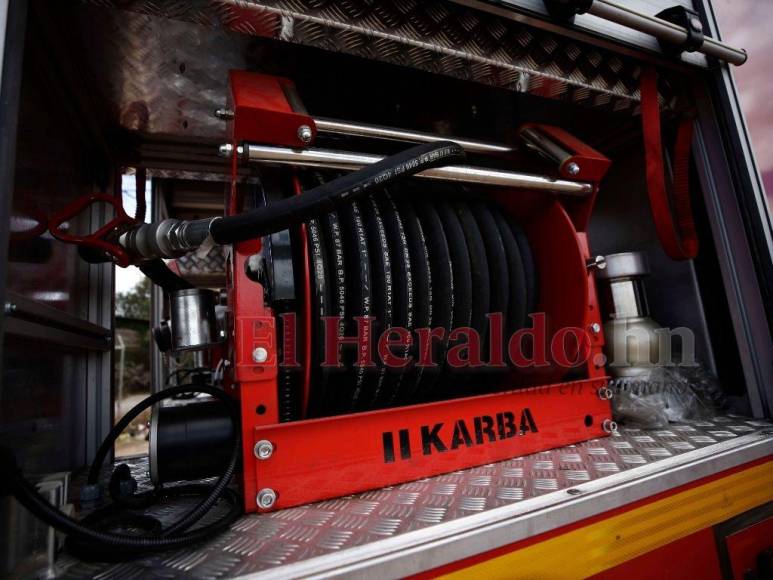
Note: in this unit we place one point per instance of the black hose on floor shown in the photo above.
(109, 544)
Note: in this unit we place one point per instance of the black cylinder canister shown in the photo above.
(189, 441)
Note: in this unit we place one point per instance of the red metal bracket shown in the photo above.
(266, 110)
(583, 162)
(100, 239)
(331, 457)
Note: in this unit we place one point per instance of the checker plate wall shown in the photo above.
(135, 50)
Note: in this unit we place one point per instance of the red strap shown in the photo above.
(679, 240)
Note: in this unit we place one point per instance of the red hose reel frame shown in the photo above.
(317, 459)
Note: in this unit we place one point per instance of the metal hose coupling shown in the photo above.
(166, 239)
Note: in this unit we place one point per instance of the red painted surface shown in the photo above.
(331, 457)
(593, 164)
(262, 112)
(104, 239)
(744, 546)
(254, 383)
(694, 556)
(306, 293)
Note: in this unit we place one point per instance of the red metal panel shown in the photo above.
(331, 457)
(744, 546)
(694, 556)
(593, 165)
(262, 112)
(254, 383)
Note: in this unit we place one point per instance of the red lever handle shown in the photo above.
(98, 240)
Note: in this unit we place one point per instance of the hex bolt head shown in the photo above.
(260, 355)
(305, 134)
(605, 393)
(9, 308)
(224, 114)
(263, 449)
(573, 168)
(609, 426)
(596, 263)
(595, 328)
(227, 149)
(266, 498)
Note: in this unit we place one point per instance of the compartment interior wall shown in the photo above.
(55, 392)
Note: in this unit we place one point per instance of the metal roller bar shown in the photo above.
(351, 161)
(336, 127)
(663, 30)
(545, 146)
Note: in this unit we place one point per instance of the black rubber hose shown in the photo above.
(160, 274)
(29, 497)
(206, 504)
(172, 537)
(326, 197)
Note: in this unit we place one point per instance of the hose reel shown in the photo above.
(419, 256)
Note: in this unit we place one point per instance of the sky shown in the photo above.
(127, 278)
(747, 24)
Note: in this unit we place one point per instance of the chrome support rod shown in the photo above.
(662, 29)
(351, 161)
(336, 127)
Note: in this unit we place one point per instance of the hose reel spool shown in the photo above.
(419, 255)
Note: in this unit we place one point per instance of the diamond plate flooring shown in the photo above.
(262, 541)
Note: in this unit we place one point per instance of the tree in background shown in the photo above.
(136, 302)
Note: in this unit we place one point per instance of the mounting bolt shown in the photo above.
(260, 355)
(266, 498)
(609, 426)
(573, 491)
(595, 328)
(596, 263)
(696, 24)
(305, 134)
(605, 393)
(263, 449)
(573, 168)
(9, 308)
(224, 114)
(226, 149)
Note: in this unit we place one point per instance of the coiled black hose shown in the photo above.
(170, 238)
(173, 537)
(326, 197)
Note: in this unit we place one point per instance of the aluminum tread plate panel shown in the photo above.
(260, 542)
(161, 64)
